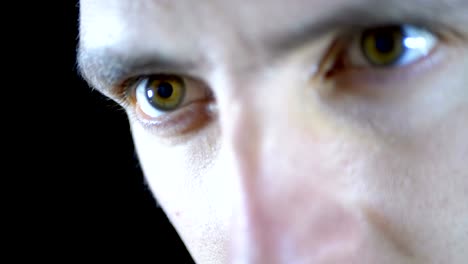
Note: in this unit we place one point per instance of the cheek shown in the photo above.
(163, 166)
(410, 181)
(410, 184)
(193, 191)
(418, 184)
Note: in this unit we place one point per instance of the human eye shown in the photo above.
(169, 104)
(388, 77)
(382, 55)
(389, 46)
(159, 94)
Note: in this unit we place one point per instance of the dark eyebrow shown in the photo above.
(104, 69)
(448, 14)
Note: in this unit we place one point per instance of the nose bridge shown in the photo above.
(241, 135)
(251, 132)
(254, 139)
(261, 130)
(243, 124)
(280, 211)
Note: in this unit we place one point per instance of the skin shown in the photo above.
(276, 161)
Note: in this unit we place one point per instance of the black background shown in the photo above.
(90, 200)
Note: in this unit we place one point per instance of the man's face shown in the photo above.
(300, 131)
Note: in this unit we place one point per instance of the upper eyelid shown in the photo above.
(438, 30)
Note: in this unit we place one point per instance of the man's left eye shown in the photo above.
(388, 46)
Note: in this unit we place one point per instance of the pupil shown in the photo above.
(385, 42)
(164, 90)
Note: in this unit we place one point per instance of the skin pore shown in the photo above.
(290, 133)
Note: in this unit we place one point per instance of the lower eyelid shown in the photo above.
(179, 122)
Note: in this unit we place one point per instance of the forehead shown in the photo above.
(117, 21)
(242, 32)
(107, 22)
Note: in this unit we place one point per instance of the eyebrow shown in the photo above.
(103, 68)
(357, 16)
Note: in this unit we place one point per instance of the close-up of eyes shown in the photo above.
(160, 97)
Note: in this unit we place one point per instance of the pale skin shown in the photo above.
(279, 154)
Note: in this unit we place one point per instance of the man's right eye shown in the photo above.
(159, 94)
(170, 104)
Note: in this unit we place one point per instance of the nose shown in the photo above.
(288, 208)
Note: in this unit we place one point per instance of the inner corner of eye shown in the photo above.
(331, 62)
